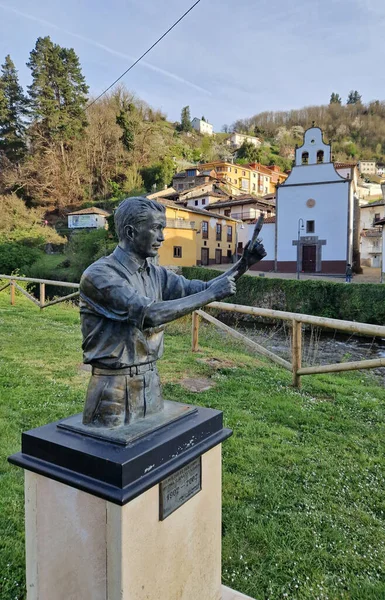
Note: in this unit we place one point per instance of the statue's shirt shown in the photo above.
(115, 292)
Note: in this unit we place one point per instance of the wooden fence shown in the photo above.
(297, 320)
(12, 279)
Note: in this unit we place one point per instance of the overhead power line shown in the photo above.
(144, 54)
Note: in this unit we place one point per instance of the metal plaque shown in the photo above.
(179, 487)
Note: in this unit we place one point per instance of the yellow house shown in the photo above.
(196, 237)
(242, 179)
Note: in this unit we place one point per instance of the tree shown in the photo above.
(58, 93)
(13, 109)
(185, 119)
(126, 122)
(354, 97)
(248, 151)
(158, 175)
(335, 99)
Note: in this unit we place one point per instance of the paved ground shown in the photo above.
(369, 275)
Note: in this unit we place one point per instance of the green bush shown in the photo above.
(15, 256)
(363, 302)
(84, 248)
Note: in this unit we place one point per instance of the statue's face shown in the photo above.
(148, 235)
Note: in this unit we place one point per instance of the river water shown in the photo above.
(320, 345)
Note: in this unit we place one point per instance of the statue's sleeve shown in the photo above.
(109, 295)
(176, 286)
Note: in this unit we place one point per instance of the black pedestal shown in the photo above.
(114, 472)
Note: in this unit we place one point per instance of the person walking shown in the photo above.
(348, 273)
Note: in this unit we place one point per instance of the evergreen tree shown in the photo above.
(127, 123)
(354, 97)
(185, 119)
(58, 93)
(13, 108)
(335, 99)
(249, 152)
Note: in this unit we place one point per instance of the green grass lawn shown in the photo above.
(303, 481)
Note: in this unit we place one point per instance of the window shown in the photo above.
(254, 187)
(229, 233)
(177, 251)
(227, 212)
(236, 170)
(203, 201)
(305, 158)
(180, 186)
(377, 217)
(196, 202)
(205, 230)
(320, 156)
(219, 232)
(244, 173)
(266, 189)
(310, 227)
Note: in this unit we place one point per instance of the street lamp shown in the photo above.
(301, 227)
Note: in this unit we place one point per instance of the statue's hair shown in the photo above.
(133, 211)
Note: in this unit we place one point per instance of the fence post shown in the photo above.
(296, 342)
(42, 295)
(12, 288)
(195, 332)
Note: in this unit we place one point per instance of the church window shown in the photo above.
(305, 158)
(320, 156)
(309, 226)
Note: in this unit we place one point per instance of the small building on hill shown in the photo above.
(237, 139)
(202, 126)
(88, 218)
(192, 177)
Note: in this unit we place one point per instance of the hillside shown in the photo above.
(357, 131)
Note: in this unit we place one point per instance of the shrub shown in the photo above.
(364, 302)
(16, 256)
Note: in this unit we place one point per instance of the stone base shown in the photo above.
(229, 594)
(93, 514)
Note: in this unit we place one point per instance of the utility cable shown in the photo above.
(144, 54)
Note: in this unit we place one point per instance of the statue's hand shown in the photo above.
(253, 255)
(222, 287)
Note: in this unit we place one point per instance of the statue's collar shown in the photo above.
(129, 262)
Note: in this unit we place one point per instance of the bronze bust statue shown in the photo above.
(125, 301)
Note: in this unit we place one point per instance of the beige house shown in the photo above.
(371, 233)
(367, 167)
(237, 139)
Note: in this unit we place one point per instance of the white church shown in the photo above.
(316, 225)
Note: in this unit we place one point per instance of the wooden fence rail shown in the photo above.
(297, 320)
(12, 279)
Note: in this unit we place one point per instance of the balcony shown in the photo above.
(180, 224)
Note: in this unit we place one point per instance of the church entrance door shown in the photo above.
(309, 258)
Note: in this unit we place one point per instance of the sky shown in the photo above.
(226, 60)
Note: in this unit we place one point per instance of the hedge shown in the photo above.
(363, 302)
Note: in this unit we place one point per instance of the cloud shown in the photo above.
(96, 44)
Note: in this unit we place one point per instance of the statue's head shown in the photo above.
(139, 224)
